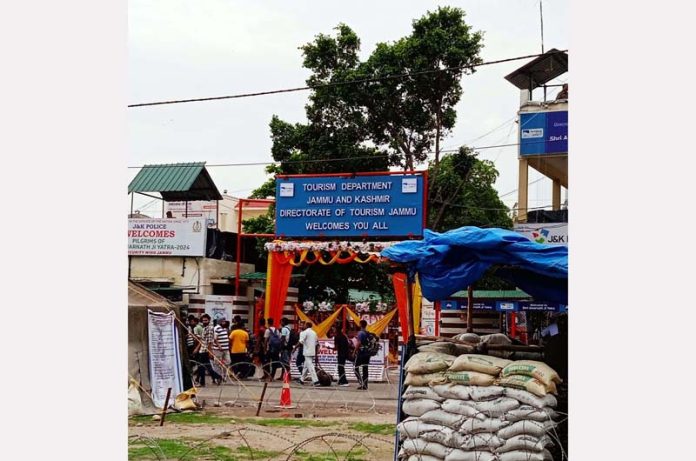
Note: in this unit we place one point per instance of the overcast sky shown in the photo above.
(188, 49)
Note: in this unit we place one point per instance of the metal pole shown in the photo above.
(132, 194)
(541, 15)
(470, 310)
(263, 393)
(239, 247)
(166, 404)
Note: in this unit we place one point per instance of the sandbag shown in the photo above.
(471, 338)
(461, 455)
(528, 398)
(480, 363)
(443, 436)
(453, 391)
(519, 455)
(496, 408)
(529, 412)
(184, 401)
(413, 379)
(472, 378)
(496, 338)
(473, 425)
(442, 347)
(428, 362)
(529, 427)
(451, 420)
(528, 384)
(462, 407)
(537, 370)
(421, 392)
(417, 407)
(525, 442)
(135, 403)
(423, 458)
(480, 441)
(412, 428)
(486, 393)
(460, 349)
(420, 446)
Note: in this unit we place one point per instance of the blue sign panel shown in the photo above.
(449, 305)
(484, 306)
(540, 306)
(351, 206)
(544, 133)
(506, 306)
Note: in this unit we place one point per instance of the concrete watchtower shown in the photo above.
(543, 126)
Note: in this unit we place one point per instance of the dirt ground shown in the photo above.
(316, 435)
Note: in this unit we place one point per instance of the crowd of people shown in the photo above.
(225, 351)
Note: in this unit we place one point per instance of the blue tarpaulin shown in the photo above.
(451, 261)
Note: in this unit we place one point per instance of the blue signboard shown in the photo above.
(350, 206)
(449, 305)
(541, 306)
(506, 306)
(544, 133)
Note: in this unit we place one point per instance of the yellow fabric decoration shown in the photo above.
(379, 326)
(323, 328)
(353, 315)
(302, 315)
(417, 301)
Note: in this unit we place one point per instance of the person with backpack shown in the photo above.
(274, 346)
(364, 353)
(286, 336)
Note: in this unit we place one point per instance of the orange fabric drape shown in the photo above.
(277, 282)
(400, 283)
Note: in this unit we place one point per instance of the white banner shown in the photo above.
(427, 325)
(166, 237)
(165, 360)
(198, 209)
(547, 233)
(327, 360)
(219, 306)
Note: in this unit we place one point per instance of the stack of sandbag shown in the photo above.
(459, 410)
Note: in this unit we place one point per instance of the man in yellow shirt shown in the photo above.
(239, 338)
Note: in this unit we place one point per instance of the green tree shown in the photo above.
(461, 193)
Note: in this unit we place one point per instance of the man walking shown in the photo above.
(221, 349)
(308, 340)
(287, 347)
(203, 349)
(363, 357)
(342, 347)
(274, 345)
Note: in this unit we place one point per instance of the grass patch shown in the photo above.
(355, 455)
(182, 450)
(382, 429)
(287, 422)
(186, 418)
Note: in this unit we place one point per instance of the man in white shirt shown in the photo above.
(308, 340)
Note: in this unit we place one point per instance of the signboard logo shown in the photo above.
(197, 226)
(287, 189)
(541, 236)
(531, 133)
(409, 186)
